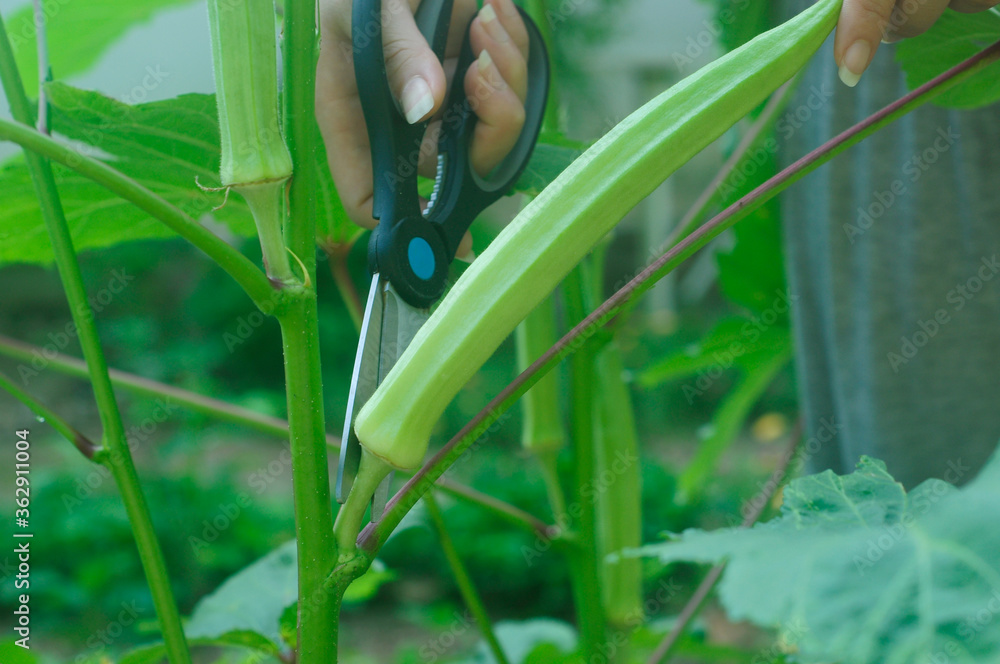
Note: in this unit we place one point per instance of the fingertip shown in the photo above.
(854, 62)
(417, 99)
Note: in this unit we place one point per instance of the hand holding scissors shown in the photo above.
(411, 248)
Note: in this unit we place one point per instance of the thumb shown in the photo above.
(415, 75)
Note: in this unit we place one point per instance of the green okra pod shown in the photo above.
(255, 160)
(557, 229)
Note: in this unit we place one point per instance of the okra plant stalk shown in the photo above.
(542, 432)
(619, 505)
(554, 232)
(255, 160)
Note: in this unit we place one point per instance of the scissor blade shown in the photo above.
(400, 322)
(364, 380)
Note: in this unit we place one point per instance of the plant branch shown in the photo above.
(275, 426)
(509, 513)
(42, 50)
(694, 604)
(199, 403)
(239, 267)
(373, 536)
(86, 446)
(117, 457)
(462, 579)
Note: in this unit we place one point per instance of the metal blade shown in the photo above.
(400, 323)
(364, 380)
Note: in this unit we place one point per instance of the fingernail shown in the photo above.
(854, 63)
(468, 257)
(488, 16)
(484, 61)
(417, 99)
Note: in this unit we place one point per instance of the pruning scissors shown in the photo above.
(410, 250)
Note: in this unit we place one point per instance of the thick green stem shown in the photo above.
(239, 267)
(86, 446)
(464, 582)
(619, 502)
(317, 552)
(264, 201)
(117, 457)
(584, 562)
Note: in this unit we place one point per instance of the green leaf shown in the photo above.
(855, 570)
(733, 342)
(953, 38)
(77, 33)
(256, 604)
(520, 640)
(252, 600)
(163, 145)
(156, 653)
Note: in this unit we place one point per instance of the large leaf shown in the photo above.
(77, 33)
(855, 570)
(165, 146)
(248, 608)
(252, 600)
(952, 39)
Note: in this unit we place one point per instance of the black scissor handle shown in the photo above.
(409, 249)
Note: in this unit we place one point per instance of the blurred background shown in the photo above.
(176, 316)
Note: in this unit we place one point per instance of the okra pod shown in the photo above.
(557, 229)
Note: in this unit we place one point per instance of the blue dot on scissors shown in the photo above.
(421, 258)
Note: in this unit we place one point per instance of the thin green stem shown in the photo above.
(117, 457)
(301, 133)
(317, 552)
(275, 426)
(462, 579)
(605, 315)
(509, 513)
(86, 446)
(585, 571)
(548, 463)
(239, 267)
(198, 403)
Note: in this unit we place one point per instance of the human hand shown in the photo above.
(495, 85)
(865, 23)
